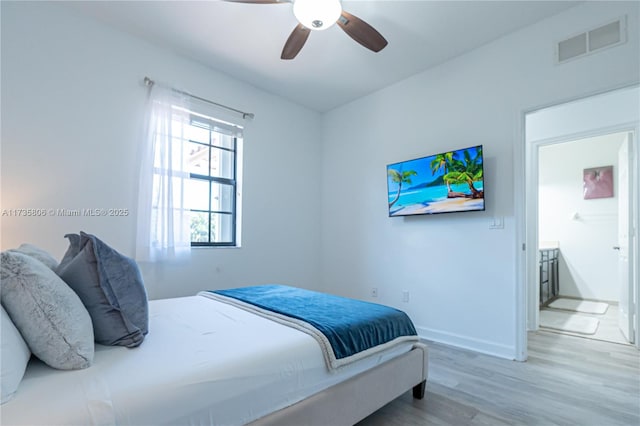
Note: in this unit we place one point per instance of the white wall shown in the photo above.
(611, 109)
(72, 108)
(588, 265)
(460, 274)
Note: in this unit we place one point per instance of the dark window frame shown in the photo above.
(233, 182)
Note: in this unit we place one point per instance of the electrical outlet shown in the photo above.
(374, 291)
(405, 296)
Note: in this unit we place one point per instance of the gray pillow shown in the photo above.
(15, 356)
(49, 315)
(110, 286)
(38, 253)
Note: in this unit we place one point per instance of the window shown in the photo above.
(190, 177)
(211, 195)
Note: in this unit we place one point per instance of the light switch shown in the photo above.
(497, 222)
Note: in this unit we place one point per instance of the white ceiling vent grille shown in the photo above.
(608, 35)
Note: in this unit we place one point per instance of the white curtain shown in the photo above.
(163, 228)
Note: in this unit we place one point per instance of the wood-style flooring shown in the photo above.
(567, 380)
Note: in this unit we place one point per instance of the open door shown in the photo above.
(625, 306)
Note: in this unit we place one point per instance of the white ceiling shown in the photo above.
(245, 40)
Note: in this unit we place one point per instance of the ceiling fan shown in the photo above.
(315, 15)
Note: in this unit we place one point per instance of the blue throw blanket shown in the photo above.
(352, 328)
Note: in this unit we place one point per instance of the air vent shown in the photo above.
(608, 35)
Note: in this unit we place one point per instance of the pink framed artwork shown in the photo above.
(598, 182)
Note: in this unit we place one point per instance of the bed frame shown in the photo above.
(351, 401)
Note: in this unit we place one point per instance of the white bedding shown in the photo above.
(203, 362)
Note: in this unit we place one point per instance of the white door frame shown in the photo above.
(625, 218)
(526, 210)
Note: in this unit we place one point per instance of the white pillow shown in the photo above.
(14, 354)
(38, 253)
(50, 316)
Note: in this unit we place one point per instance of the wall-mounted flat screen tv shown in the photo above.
(449, 182)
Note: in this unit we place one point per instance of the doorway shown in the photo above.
(579, 195)
(615, 111)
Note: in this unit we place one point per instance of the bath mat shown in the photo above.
(579, 306)
(565, 321)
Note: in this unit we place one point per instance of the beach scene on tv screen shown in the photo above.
(442, 183)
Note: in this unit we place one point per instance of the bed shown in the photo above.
(103, 354)
(207, 362)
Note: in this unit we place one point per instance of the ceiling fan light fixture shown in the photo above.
(317, 14)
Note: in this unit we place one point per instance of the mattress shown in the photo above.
(203, 362)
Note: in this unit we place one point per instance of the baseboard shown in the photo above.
(466, 342)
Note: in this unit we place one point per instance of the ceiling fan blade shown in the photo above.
(258, 1)
(361, 32)
(294, 43)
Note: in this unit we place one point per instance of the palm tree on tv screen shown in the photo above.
(468, 170)
(400, 178)
(442, 161)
